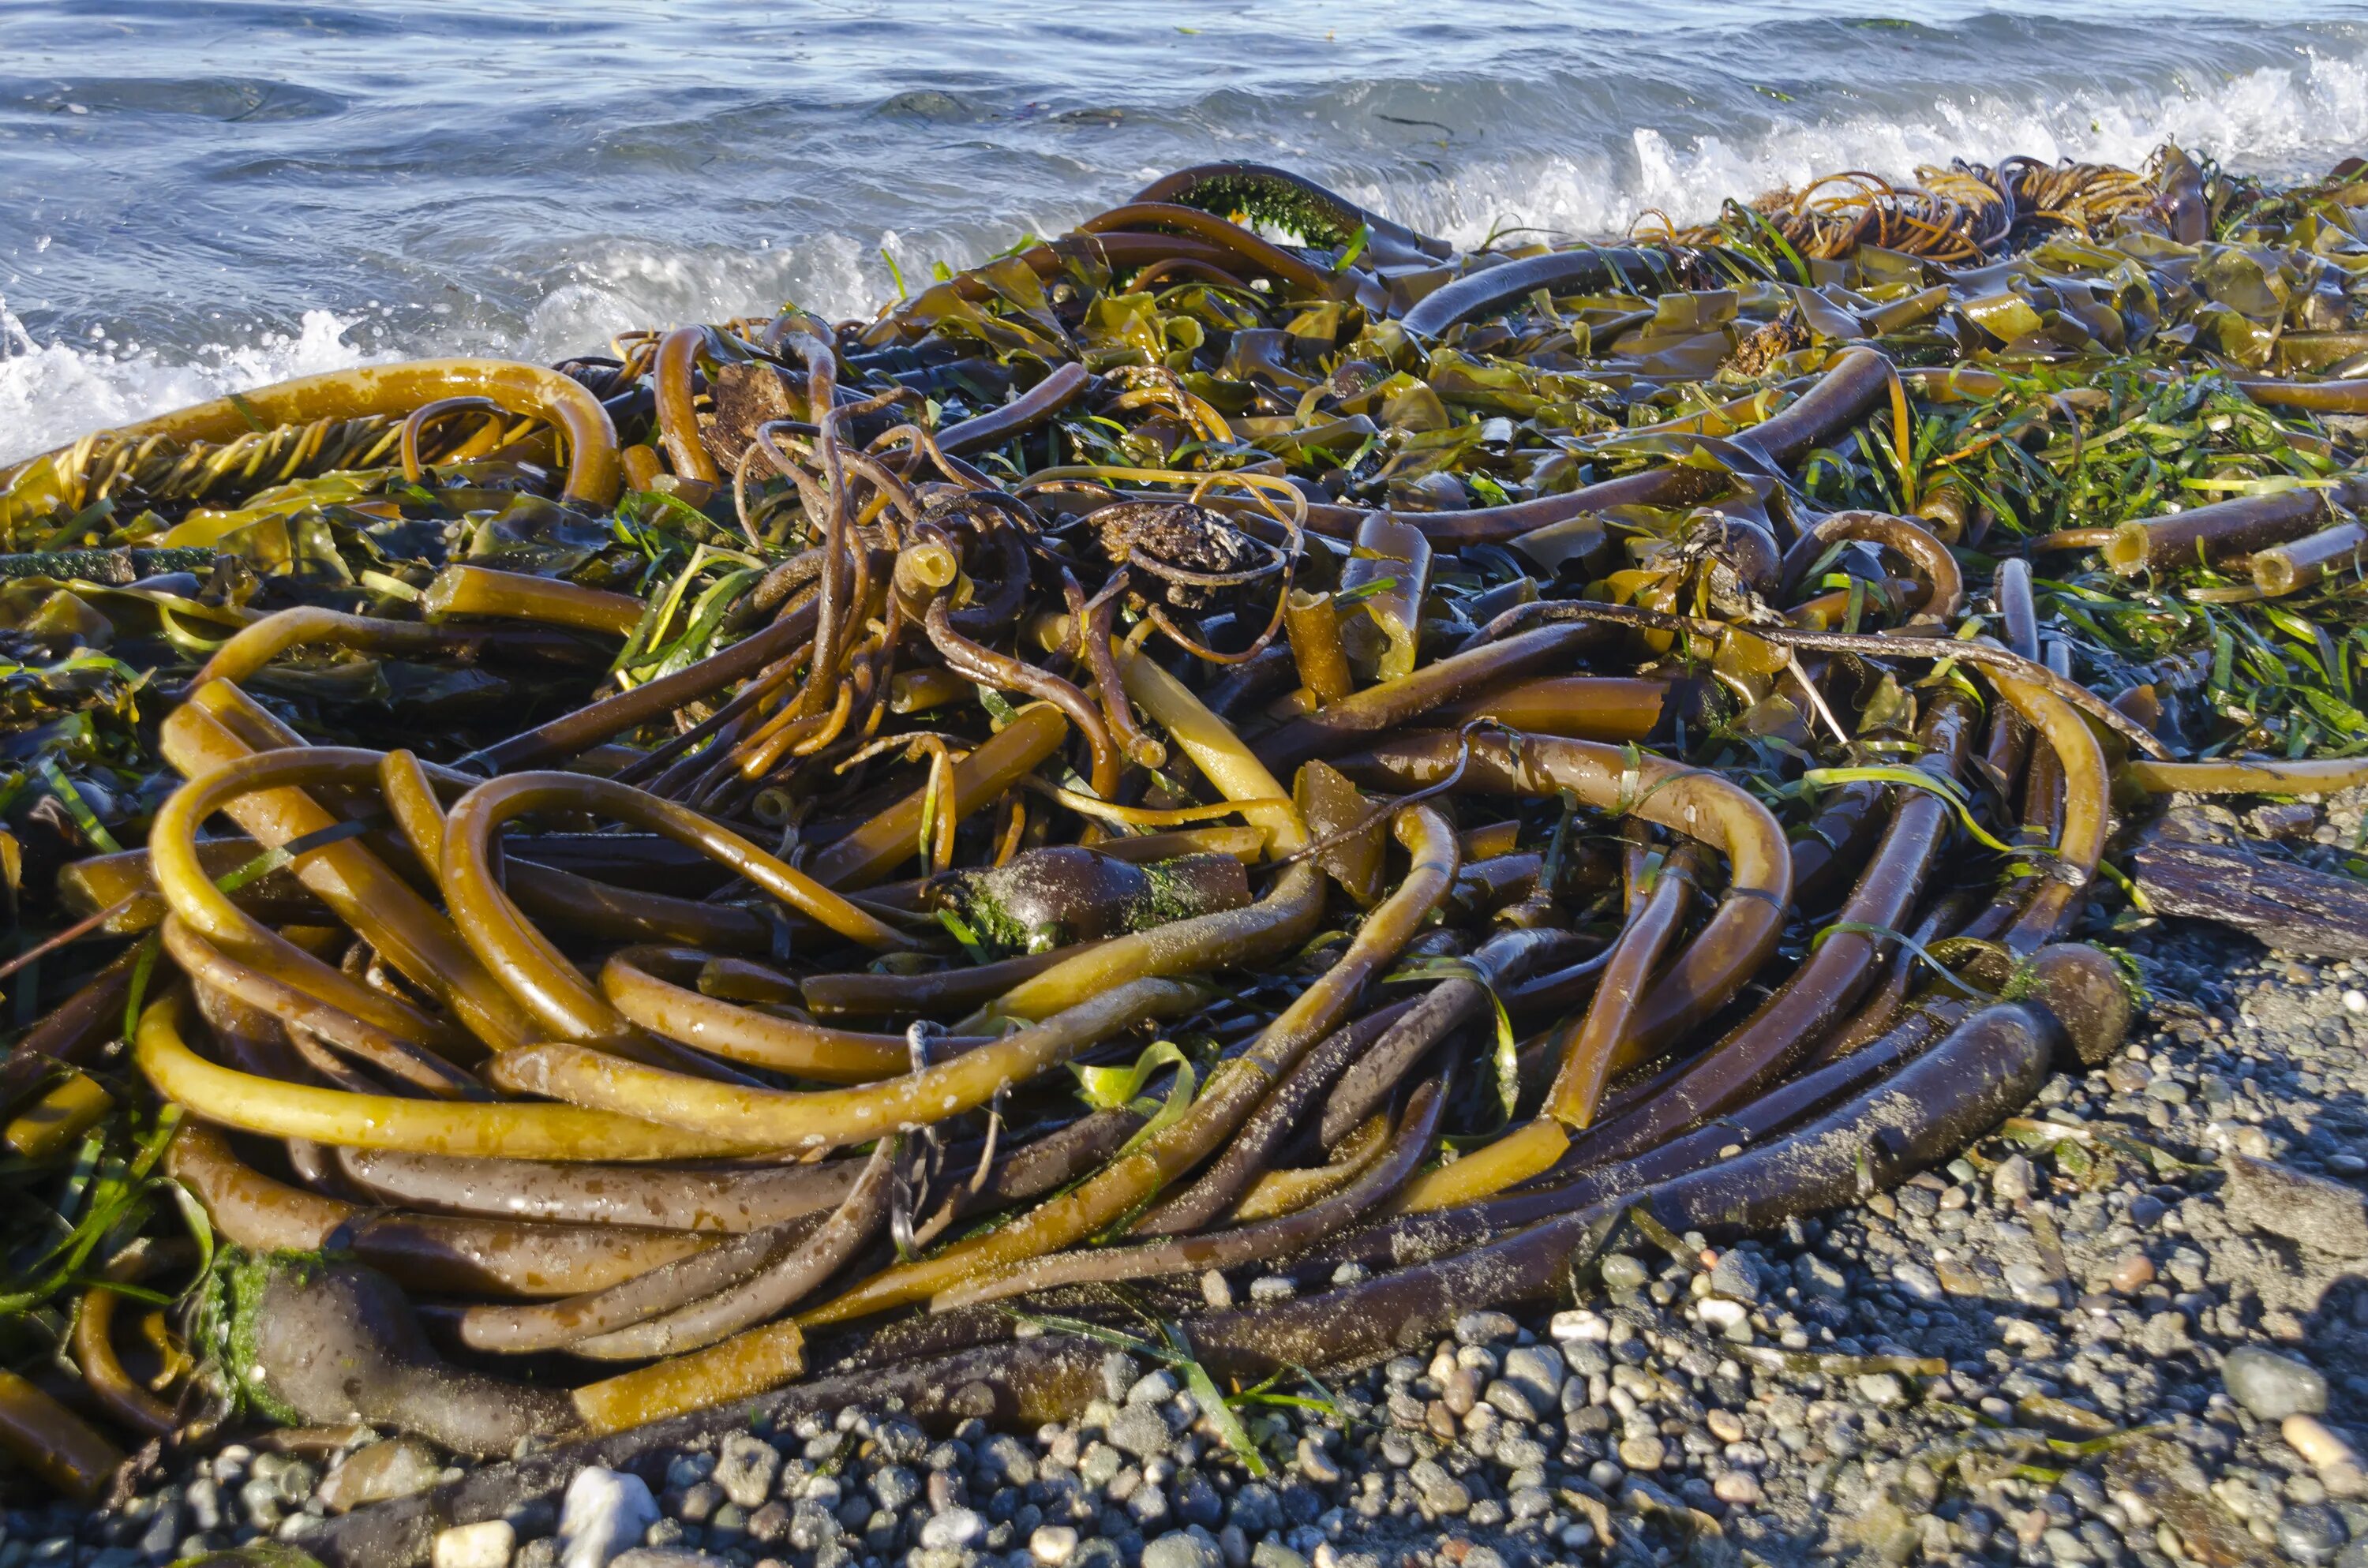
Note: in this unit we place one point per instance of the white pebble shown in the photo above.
(1721, 1313)
(1576, 1324)
(955, 1527)
(604, 1514)
(1053, 1544)
(486, 1545)
(1737, 1489)
(2355, 1001)
(2336, 1461)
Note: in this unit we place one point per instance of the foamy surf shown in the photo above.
(53, 393)
(1500, 143)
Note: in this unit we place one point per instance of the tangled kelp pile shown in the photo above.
(1455, 754)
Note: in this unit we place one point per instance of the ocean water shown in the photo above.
(200, 195)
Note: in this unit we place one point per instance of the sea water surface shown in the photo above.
(197, 195)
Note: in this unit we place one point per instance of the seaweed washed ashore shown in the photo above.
(1238, 785)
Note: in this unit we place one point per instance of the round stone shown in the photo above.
(1181, 1548)
(2312, 1534)
(2272, 1386)
(1736, 1489)
(1623, 1273)
(955, 1527)
(1881, 1388)
(1053, 1544)
(1721, 1313)
(1642, 1452)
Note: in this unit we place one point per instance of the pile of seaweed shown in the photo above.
(1238, 741)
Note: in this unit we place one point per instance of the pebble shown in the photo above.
(1052, 1545)
(2330, 1216)
(2014, 1180)
(1182, 1549)
(2272, 1386)
(1316, 1464)
(486, 1545)
(2334, 1460)
(1577, 1325)
(745, 1468)
(1140, 1430)
(1538, 1371)
(1623, 1273)
(2134, 1272)
(2311, 1534)
(1153, 1388)
(1645, 1453)
(1721, 1313)
(955, 1527)
(1484, 1328)
(605, 1512)
(1736, 1278)
(377, 1472)
(1737, 1489)
(1819, 1278)
(1917, 1281)
(1881, 1388)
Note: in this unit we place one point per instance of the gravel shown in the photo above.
(2133, 1335)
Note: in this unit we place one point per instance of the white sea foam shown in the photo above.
(2278, 119)
(2283, 119)
(51, 393)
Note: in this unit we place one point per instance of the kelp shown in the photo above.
(1439, 747)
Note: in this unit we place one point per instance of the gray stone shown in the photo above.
(1274, 1554)
(2272, 1386)
(2014, 1179)
(1917, 1282)
(1153, 1388)
(1538, 1371)
(2311, 1534)
(955, 1527)
(1881, 1388)
(1737, 1276)
(606, 1511)
(1008, 1460)
(1820, 1278)
(1141, 1430)
(1182, 1549)
(745, 1468)
(1483, 1329)
(1623, 1273)
(1196, 1502)
(380, 1471)
(894, 1487)
(2327, 1215)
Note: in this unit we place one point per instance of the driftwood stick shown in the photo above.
(2285, 906)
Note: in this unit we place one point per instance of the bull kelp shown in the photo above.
(1241, 736)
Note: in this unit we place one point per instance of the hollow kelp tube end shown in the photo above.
(330, 1343)
(2088, 993)
(2128, 550)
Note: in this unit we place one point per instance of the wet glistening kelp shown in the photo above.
(1237, 740)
